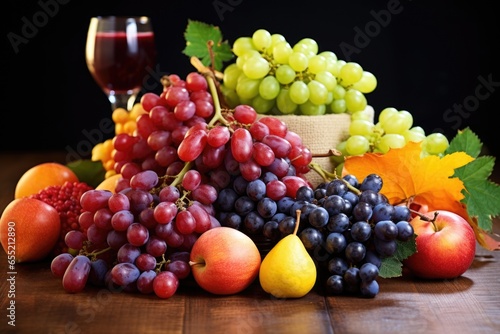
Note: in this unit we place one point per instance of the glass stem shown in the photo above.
(125, 101)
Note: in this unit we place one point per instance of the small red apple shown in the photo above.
(446, 246)
(224, 260)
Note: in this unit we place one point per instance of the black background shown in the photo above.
(428, 57)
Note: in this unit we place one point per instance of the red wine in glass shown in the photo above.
(119, 53)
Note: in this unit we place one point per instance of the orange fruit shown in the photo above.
(41, 176)
(109, 183)
(29, 229)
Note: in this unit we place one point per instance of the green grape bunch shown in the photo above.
(394, 129)
(277, 78)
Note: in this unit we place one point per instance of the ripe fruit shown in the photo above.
(446, 246)
(66, 200)
(109, 183)
(41, 176)
(288, 271)
(29, 229)
(224, 260)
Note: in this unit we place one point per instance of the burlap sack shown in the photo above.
(321, 134)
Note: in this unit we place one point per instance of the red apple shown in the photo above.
(446, 246)
(224, 260)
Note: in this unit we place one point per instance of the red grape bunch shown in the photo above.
(186, 150)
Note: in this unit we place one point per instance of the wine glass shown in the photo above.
(119, 52)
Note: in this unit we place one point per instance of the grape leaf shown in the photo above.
(90, 172)
(197, 36)
(481, 196)
(465, 141)
(393, 266)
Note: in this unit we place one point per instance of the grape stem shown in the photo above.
(209, 76)
(160, 264)
(93, 254)
(328, 176)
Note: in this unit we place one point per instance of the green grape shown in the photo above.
(284, 103)
(407, 118)
(277, 38)
(355, 100)
(242, 45)
(327, 79)
(357, 145)
(398, 123)
(247, 88)
(341, 147)
(245, 101)
(361, 127)
(350, 73)
(303, 49)
(285, 74)
(414, 136)
(329, 98)
(338, 106)
(241, 60)
(362, 115)
(378, 129)
(331, 66)
(390, 140)
(386, 113)
(318, 94)
(298, 61)
(339, 159)
(317, 64)
(231, 75)
(310, 109)
(309, 43)
(338, 92)
(269, 88)
(334, 68)
(367, 83)
(261, 39)
(281, 52)
(261, 105)
(418, 129)
(256, 67)
(299, 92)
(329, 55)
(435, 143)
(230, 96)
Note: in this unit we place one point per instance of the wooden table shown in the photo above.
(468, 304)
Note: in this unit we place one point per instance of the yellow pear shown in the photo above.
(288, 271)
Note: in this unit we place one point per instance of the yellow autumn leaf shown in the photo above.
(408, 177)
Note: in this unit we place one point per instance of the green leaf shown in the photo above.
(393, 266)
(197, 36)
(481, 195)
(88, 171)
(465, 141)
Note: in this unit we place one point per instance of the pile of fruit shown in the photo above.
(198, 186)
